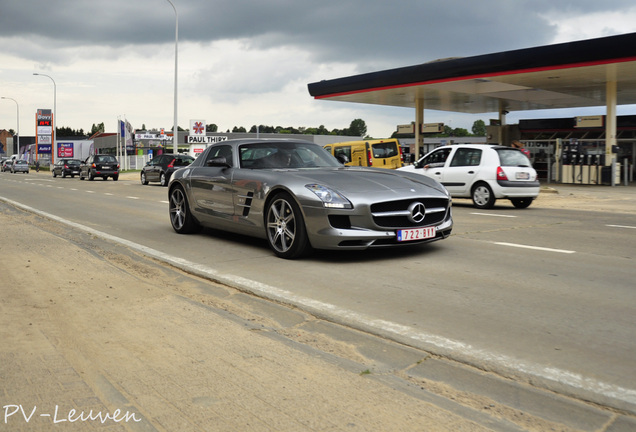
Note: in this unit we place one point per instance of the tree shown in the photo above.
(97, 128)
(479, 128)
(211, 128)
(358, 128)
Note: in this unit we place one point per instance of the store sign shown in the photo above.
(193, 139)
(197, 127)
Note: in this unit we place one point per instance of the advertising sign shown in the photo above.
(65, 150)
(44, 148)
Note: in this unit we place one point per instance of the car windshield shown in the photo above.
(513, 158)
(266, 155)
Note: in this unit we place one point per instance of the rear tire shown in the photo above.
(162, 179)
(521, 203)
(483, 196)
(181, 218)
(286, 231)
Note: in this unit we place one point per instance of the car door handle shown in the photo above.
(438, 173)
(471, 172)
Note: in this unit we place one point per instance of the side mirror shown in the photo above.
(217, 162)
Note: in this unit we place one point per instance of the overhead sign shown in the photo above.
(193, 139)
(426, 128)
(432, 127)
(589, 121)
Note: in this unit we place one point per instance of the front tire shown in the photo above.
(144, 180)
(483, 196)
(286, 231)
(181, 219)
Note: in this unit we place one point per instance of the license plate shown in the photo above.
(105, 167)
(416, 234)
(523, 176)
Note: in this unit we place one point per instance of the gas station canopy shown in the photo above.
(595, 72)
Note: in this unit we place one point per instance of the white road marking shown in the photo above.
(535, 248)
(460, 350)
(493, 215)
(622, 226)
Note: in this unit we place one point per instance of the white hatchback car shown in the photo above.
(483, 173)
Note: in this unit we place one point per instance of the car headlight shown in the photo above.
(329, 197)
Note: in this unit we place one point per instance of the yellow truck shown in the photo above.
(385, 153)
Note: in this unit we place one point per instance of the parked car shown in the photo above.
(483, 173)
(103, 166)
(20, 166)
(385, 153)
(64, 167)
(160, 168)
(6, 165)
(298, 197)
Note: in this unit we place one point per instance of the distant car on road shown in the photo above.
(298, 197)
(160, 168)
(64, 167)
(6, 165)
(103, 166)
(481, 172)
(20, 166)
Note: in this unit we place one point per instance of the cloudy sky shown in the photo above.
(246, 62)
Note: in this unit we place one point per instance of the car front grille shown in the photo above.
(404, 213)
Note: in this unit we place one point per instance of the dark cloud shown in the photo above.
(371, 34)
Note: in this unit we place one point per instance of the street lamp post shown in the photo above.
(54, 112)
(18, 131)
(176, 62)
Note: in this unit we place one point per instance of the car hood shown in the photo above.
(362, 180)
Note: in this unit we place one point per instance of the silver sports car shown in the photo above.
(297, 196)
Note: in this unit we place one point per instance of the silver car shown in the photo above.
(297, 196)
(20, 166)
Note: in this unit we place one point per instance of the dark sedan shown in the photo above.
(66, 167)
(297, 196)
(160, 168)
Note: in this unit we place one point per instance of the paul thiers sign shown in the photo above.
(205, 139)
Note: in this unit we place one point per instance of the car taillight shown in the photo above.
(65, 166)
(401, 154)
(93, 166)
(369, 157)
(501, 175)
(171, 164)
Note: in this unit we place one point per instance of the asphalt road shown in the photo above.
(544, 294)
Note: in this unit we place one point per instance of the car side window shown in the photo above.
(221, 151)
(340, 151)
(436, 159)
(466, 157)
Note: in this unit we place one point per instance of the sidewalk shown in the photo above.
(91, 334)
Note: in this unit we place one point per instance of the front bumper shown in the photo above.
(359, 236)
